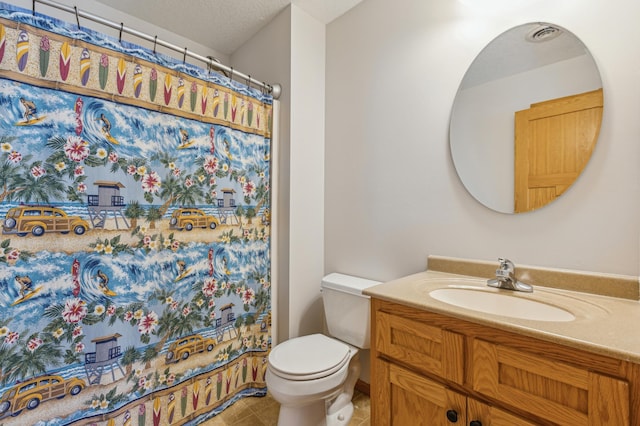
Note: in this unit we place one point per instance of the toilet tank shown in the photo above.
(346, 309)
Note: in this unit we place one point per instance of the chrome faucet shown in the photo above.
(506, 278)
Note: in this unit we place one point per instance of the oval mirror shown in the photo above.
(526, 118)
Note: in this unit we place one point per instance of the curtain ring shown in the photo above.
(155, 42)
(184, 57)
(209, 65)
(121, 28)
(231, 75)
(248, 80)
(77, 17)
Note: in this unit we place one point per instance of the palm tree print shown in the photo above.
(123, 289)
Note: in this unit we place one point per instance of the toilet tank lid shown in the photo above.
(347, 283)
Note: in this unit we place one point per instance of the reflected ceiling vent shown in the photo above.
(543, 33)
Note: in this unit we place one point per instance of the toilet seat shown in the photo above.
(308, 357)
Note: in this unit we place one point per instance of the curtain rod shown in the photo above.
(275, 89)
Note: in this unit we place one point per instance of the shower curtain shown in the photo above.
(135, 207)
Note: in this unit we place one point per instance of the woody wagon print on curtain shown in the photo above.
(135, 208)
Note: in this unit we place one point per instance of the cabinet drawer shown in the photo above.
(420, 345)
(559, 392)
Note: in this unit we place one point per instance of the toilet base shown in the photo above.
(331, 408)
(313, 414)
(341, 417)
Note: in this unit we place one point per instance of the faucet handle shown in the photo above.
(506, 269)
(506, 264)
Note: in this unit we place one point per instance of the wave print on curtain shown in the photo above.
(134, 256)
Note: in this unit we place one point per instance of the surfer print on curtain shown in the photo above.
(134, 255)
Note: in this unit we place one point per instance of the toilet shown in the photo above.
(313, 377)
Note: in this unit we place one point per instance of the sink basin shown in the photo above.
(491, 302)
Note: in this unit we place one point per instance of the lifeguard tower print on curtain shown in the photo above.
(134, 255)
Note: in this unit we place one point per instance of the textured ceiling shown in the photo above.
(223, 25)
(510, 53)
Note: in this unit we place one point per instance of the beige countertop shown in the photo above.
(603, 324)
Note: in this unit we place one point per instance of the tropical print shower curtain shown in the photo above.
(134, 255)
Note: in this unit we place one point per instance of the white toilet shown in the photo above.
(313, 377)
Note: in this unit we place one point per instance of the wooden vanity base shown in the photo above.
(433, 369)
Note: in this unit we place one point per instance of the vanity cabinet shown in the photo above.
(412, 399)
(433, 369)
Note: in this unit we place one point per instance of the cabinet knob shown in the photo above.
(452, 416)
(475, 423)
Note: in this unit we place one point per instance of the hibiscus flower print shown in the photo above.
(248, 188)
(76, 149)
(210, 164)
(34, 344)
(38, 171)
(11, 337)
(210, 287)
(13, 255)
(151, 182)
(148, 323)
(74, 311)
(171, 379)
(15, 157)
(248, 296)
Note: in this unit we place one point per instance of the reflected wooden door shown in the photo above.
(553, 142)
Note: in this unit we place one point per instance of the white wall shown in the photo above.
(268, 57)
(392, 196)
(306, 250)
(297, 40)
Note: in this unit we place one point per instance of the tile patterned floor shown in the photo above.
(263, 411)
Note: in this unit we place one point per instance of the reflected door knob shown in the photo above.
(452, 416)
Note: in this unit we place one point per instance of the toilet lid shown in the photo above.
(308, 357)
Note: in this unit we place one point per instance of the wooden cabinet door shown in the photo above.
(553, 143)
(427, 348)
(562, 393)
(404, 398)
(488, 415)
